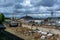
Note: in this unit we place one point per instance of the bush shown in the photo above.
(2, 17)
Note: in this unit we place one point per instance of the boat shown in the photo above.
(13, 24)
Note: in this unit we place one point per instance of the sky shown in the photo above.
(34, 8)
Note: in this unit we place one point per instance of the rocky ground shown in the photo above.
(28, 34)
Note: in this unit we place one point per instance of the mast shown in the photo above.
(52, 13)
(13, 18)
(26, 14)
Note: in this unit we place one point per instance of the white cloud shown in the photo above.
(26, 3)
(32, 6)
(6, 9)
(7, 2)
(42, 8)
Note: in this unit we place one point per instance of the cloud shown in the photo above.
(6, 9)
(43, 2)
(5, 3)
(26, 3)
(29, 6)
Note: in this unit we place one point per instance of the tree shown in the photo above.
(2, 17)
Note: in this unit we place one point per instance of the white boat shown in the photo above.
(13, 24)
(44, 33)
(50, 34)
(43, 37)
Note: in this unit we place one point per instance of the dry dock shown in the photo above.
(10, 30)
